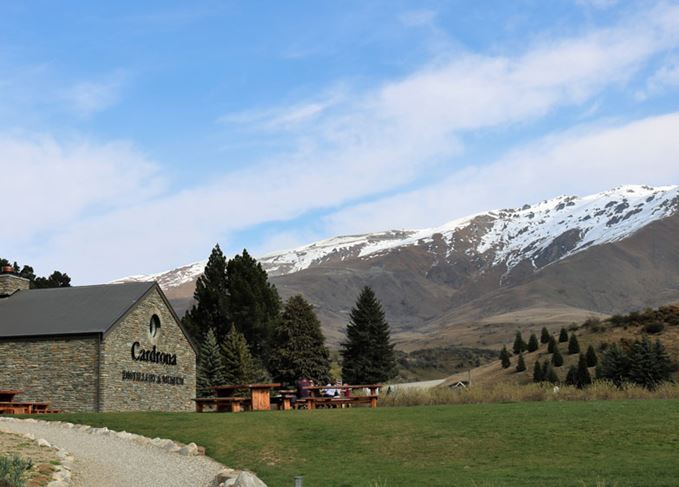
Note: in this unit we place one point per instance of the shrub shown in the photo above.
(653, 328)
(572, 376)
(573, 345)
(551, 374)
(615, 365)
(533, 344)
(521, 364)
(557, 358)
(591, 357)
(544, 335)
(649, 363)
(563, 336)
(12, 470)
(584, 379)
(551, 345)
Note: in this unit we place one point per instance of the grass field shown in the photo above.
(589, 443)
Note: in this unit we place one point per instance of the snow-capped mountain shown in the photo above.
(540, 234)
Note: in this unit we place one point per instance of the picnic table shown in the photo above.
(259, 400)
(7, 395)
(317, 398)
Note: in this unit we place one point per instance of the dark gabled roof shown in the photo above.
(68, 310)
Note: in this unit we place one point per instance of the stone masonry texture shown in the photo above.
(10, 283)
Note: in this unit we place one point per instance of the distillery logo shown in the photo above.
(153, 355)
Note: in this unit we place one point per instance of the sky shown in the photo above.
(136, 135)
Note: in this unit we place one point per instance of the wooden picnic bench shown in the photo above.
(225, 399)
(317, 399)
(233, 404)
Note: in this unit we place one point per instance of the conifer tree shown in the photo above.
(519, 344)
(649, 363)
(545, 335)
(584, 379)
(545, 369)
(239, 366)
(210, 369)
(572, 376)
(551, 344)
(557, 358)
(551, 375)
(615, 365)
(591, 357)
(563, 336)
(533, 344)
(573, 345)
(367, 353)
(521, 364)
(537, 372)
(299, 349)
(252, 302)
(504, 358)
(210, 311)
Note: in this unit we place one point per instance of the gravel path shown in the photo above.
(109, 461)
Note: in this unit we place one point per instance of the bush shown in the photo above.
(563, 336)
(591, 357)
(551, 345)
(545, 335)
(519, 344)
(572, 376)
(504, 358)
(537, 372)
(551, 376)
(12, 470)
(653, 328)
(557, 358)
(584, 379)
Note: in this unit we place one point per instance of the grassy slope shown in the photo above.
(547, 443)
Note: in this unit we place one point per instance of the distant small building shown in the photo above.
(114, 347)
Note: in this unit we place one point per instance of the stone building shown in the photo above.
(113, 347)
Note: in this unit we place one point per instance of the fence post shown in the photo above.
(299, 481)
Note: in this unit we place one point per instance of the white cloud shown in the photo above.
(581, 161)
(666, 77)
(89, 97)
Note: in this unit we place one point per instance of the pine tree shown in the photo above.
(533, 344)
(563, 336)
(572, 376)
(615, 365)
(210, 311)
(573, 345)
(537, 372)
(210, 369)
(299, 349)
(521, 364)
(551, 345)
(519, 344)
(252, 302)
(649, 364)
(545, 335)
(551, 375)
(504, 358)
(239, 366)
(557, 358)
(584, 379)
(591, 357)
(367, 353)
(545, 369)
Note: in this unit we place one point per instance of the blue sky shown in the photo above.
(135, 135)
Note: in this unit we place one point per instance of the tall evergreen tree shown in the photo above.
(545, 369)
(584, 379)
(367, 353)
(210, 369)
(545, 335)
(519, 344)
(299, 346)
(649, 363)
(252, 302)
(557, 358)
(563, 336)
(537, 372)
(551, 375)
(239, 366)
(591, 357)
(573, 345)
(521, 364)
(533, 344)
(551, 344)
(572, 376)
(504, 358)
(211, 309)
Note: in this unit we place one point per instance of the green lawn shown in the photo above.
(540, 443)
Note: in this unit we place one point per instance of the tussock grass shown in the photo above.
(503, 393)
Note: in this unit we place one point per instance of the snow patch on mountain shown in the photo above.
(541, 233)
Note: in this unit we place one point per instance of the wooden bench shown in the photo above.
(313, 402)
(233, 404)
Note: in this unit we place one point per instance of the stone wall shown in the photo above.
(62, 371)
(130, 385)
(9, 283)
